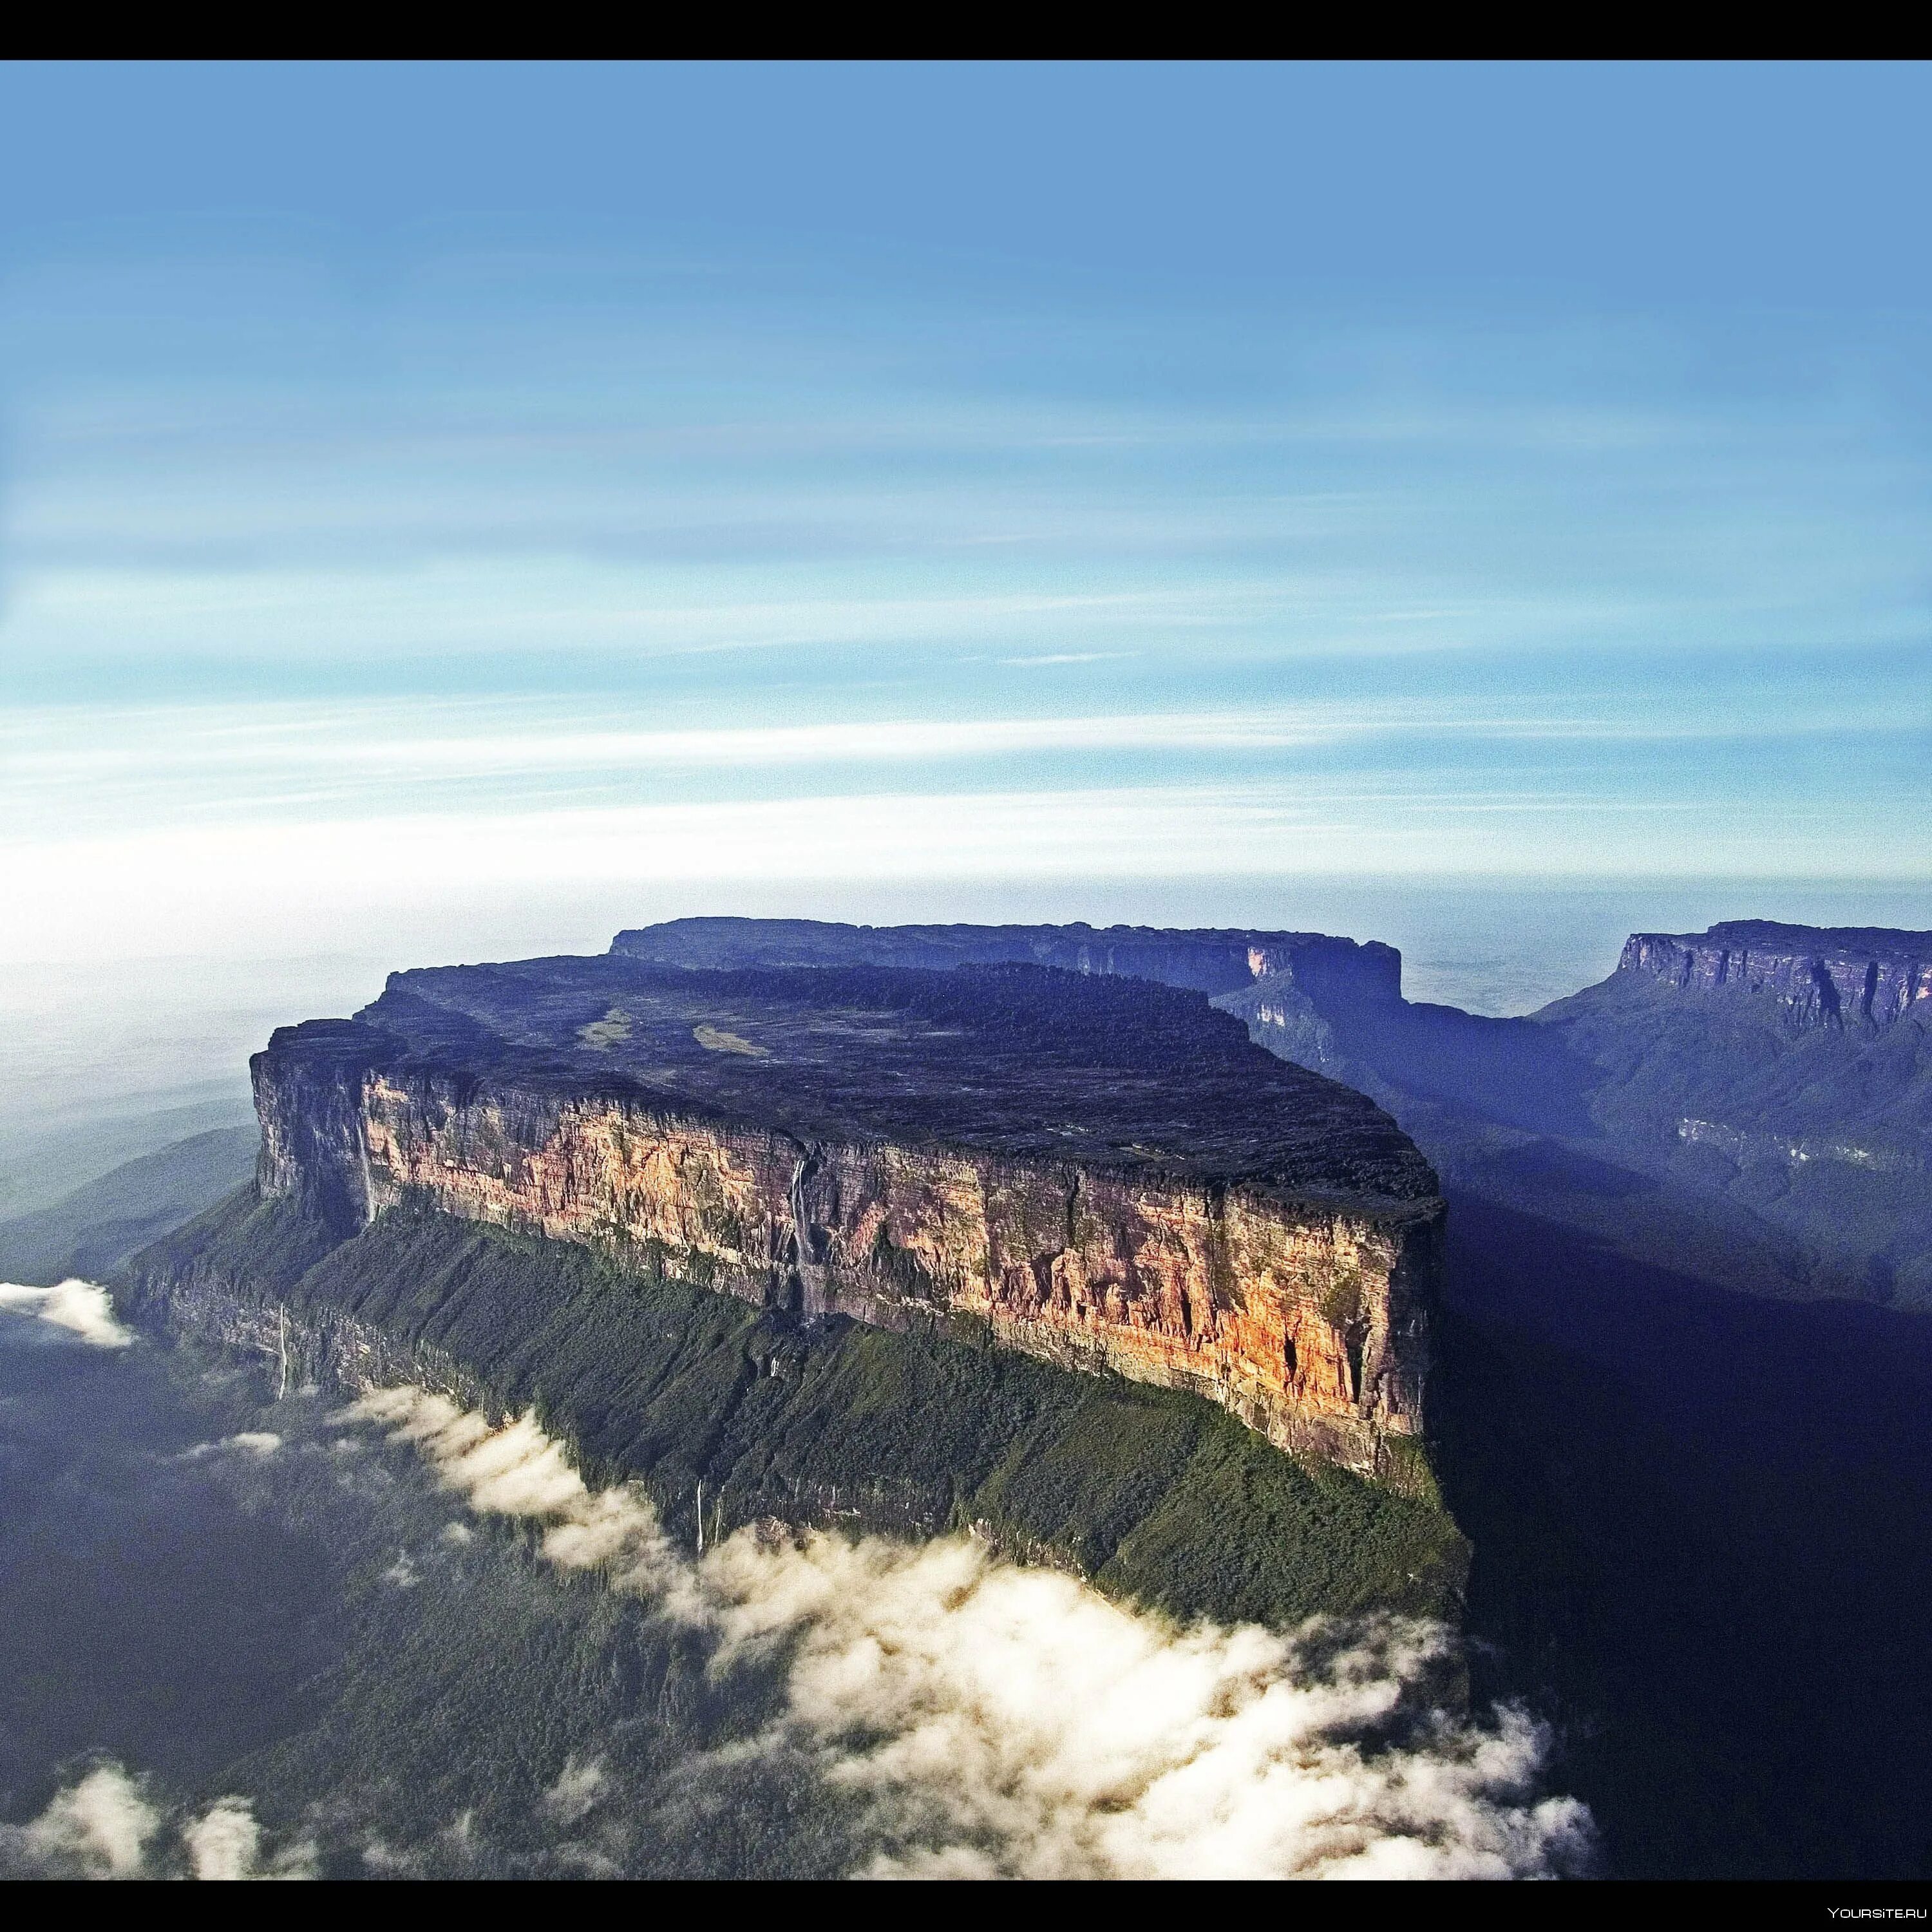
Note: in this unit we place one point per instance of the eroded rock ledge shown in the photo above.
(1820, 976)
(1105, 1171)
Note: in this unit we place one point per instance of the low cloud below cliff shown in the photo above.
(79, 1306)
(588, 1697)
(1001, 1721)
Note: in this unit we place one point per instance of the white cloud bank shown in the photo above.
(105, 1825)
(78, 1305)
(226, 1842)
(1010, 1721)
(99, 1826)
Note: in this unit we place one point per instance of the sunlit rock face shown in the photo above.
(1819, 975)
(1100, 1171)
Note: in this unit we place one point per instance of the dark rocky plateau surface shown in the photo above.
(1104, 1171)
(1751, 1106)
(1017, 1061)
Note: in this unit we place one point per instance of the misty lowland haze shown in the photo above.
(966, 971)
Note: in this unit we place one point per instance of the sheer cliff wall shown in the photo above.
(1307, 1318)
(1818, 976)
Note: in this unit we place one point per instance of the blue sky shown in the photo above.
(425, 490)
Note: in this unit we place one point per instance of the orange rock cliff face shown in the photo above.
(1303, 1313)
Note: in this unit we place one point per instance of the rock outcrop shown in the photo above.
(1101, 1172)
(1830, 977)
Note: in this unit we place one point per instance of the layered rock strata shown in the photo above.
(1828, 977)
(1106, 1173)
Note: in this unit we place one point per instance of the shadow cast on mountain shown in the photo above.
(1703, 1528)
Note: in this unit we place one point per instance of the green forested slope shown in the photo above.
(1159, 1496)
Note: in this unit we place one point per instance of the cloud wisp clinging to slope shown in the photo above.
(79, 1306)
(107, 1824)
(999, 1720)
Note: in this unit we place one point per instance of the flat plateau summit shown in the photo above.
(1103, 1171)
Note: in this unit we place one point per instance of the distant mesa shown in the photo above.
(1749, 1106)
(1819, 975)
(1211, 960)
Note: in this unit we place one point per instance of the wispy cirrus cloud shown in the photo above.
(48, 746)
